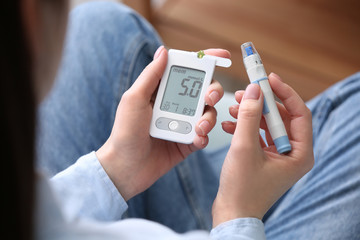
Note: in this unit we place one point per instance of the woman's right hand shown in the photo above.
(131, 157)
(254, 176)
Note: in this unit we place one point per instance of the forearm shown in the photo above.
(85, 191)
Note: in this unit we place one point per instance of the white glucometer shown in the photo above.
(180, 100)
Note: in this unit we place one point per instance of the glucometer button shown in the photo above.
(173, 125)
(162, 123)
(184, 127)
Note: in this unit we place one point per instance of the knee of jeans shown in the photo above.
(114, 17)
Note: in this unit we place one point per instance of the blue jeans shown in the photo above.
(107, 47)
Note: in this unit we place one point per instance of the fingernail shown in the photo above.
(275, 76)
(239, 92)
(215, 97)
(204, 127)
(158, 51)
(252, 92)
(203, 141)
(234, 108)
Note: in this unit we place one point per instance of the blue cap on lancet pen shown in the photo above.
(248, 49)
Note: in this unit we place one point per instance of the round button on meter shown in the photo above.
(173, 125)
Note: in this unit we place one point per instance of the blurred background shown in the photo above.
(311, 44)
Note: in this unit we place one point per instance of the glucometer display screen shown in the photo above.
(182, 90)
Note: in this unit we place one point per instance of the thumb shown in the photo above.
(148, 81)
(249, 116)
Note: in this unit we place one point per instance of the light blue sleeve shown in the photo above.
(85, 190)
(82, 202)
(240, 228)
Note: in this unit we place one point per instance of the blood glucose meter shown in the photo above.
(180, 100)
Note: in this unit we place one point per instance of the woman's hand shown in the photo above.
(254, 175)
(134, 160)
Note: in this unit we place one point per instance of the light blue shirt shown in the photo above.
(82, 202)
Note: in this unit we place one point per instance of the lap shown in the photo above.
(324, 203)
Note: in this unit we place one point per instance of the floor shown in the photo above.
(311, 44)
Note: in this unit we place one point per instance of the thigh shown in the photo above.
(182, 199)
(324, 204)
(106, 48)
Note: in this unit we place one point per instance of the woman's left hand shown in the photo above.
(134, 160)
(254, 176)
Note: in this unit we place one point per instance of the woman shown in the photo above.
(94, 189)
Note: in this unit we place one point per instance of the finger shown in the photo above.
(234, 111)
(228, 127)
(206, 122)
(214, 93)
(300, 115)
(283, 113)
(149, 79)
(200, 142)
(218, 52)
(239, 95)
(284, 116)
(250, 111)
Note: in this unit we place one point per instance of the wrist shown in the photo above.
(224, 210)
(112, 166)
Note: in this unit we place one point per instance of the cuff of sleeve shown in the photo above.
(240, 228)
(114, 196)
(85, 190)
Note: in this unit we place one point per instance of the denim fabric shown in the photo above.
(324, 204)
(107, 47)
